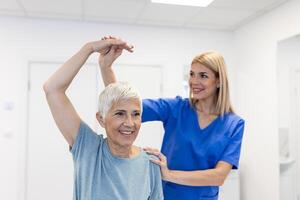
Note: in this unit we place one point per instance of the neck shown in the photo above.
(206, 106)
(122, 151)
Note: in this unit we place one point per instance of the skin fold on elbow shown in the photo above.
(49, 89)
(46, 88)
(220, 179)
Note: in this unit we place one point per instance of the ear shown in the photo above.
(100, 119)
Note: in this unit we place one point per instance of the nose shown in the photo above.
(128, 121)
(195, 80)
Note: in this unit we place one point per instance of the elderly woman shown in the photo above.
(105, 168)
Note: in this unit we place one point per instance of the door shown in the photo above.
(49, 162)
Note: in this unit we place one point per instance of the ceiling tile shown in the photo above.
(113, 9)
(65, 7)
(243, 4)
(217, 16)
(108, 19)
(53, 16)
(10, 5)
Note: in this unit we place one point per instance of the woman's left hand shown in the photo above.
(161, 161)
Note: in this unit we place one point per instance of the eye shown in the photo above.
(192, 74)
(203, 76)
(137, 114)
(119, 113)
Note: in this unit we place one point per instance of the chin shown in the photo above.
(126, 143)
(198, 97)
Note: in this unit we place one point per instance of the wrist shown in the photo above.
(88, 47)
(106, 68)
(168, 176)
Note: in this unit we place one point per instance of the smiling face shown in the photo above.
(122, 122)
(203, 82)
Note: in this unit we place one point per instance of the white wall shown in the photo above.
(288, 59)
(256, 46)
(24, 40)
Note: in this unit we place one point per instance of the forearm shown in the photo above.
(108, 75)
(209, 177)
(63, 77)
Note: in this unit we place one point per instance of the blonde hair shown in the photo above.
(115, 92)
(215, 62)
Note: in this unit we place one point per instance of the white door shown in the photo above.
(49, 163)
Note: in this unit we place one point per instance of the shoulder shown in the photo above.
(86, 138)
(168, 100)
(167, 103)
(148, 159)
(233, 123)
(234, 118)
(85, 129)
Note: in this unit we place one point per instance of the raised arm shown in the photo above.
(106, 60)
(63, 112)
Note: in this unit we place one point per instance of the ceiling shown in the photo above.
(219, 15)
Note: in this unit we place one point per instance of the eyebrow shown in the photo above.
(199, 72)
(126, 111)
(120, 110)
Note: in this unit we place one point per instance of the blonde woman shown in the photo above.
(203, 135)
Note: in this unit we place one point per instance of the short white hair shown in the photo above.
(115, 92)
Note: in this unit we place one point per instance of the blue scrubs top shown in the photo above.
(189, 147)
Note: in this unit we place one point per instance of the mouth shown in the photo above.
(197, 90)
(126, 132)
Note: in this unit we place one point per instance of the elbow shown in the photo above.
(50, 89)
(47, 88)
(221, 181)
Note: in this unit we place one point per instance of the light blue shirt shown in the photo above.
(99, 175)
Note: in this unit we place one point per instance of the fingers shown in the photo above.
(117, 41)
(110, 37)
(162, 158)
(150, 149)
(115, 52)
(158, 162)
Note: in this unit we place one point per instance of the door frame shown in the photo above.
(295, 126)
